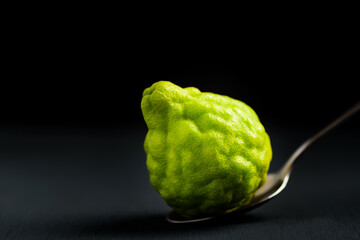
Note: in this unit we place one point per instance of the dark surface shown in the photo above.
(92, 183)
(72, 164)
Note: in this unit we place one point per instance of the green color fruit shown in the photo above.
(206, 153)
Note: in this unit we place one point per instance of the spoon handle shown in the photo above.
(289, 164)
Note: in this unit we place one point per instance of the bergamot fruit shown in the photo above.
(206, 153)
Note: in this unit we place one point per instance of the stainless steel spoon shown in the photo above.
(276, 181)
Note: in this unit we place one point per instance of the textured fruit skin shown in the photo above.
(206, 153)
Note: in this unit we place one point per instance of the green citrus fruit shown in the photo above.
(206, 153)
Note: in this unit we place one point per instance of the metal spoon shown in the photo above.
(276, 181)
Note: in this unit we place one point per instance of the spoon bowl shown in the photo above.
(275, 182)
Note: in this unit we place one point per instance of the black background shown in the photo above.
(71, 133)
(98, 90)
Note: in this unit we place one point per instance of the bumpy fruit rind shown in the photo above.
(206, 153)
